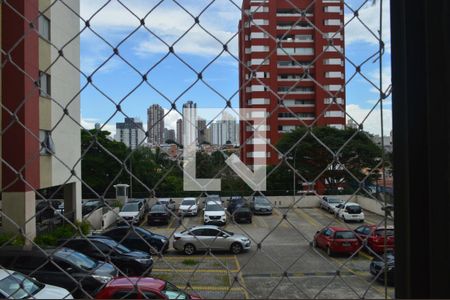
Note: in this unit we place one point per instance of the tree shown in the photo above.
(321, 154)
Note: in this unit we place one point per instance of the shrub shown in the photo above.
(63, 232)
(8, 239)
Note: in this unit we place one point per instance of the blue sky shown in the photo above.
(171, 79)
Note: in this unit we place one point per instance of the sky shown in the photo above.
(115, 24)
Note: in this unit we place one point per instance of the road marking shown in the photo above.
(171, 223)
(197, 271)
(218, 288)
(199, 257)
(365, 255)
(300, 213)
(238, 265)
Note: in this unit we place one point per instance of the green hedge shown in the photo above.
(11, 240)
(63, 232)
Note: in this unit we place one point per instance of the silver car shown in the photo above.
(261, 205)
(206, 237)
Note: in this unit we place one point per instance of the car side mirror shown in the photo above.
(317, 231)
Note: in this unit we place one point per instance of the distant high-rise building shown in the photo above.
(286, 48)
(179, 131)
(131, 132)
(155, 117)
(201, 126)
(225, 131)
(169, 134)
(189, 113)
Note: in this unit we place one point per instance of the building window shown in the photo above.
(45, 84)
(44, 27)
(47, 144)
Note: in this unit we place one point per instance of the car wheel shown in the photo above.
(236, 248)
(329, 252)
(189, 249)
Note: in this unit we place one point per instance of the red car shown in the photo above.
(141, 288)
(336, 240)
(375, 237)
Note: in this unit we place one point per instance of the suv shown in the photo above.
(188, 206)
(78, 269)
(329, 204)
(214, 213)
(143, 202)
(132, 212)
(234, 202)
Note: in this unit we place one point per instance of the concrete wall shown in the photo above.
(109, 217)
(95, 218)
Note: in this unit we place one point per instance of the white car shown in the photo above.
(329, 204)
(15, 285)
(189, 206)
(132, 212)
(350, 211)
(214, 213)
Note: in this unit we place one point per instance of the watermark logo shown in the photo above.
(227, 125)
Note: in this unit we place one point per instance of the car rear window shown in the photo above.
(353, 209)
(344, 235)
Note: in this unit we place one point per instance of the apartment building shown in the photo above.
(130, 132)
(293, 55)
(40, 143)
(155, 123)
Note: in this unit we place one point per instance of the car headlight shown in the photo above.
(245, 240)
(103, 278)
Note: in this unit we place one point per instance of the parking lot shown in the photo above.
(280, 264)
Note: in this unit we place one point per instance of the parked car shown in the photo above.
(350, 211)
(143, 202)
(214, 213)
(91, 205)
(169, 202)
(206, 237)
(45, 209)
(329, 204)
(142, 288)
(132, 212)
(188, 207)
(374, 237)
(243, 214)
(213, 197)
(377, 267)
(15, 285)
(129, 262)
(78, 268)
(159, 214)
(260, 205)
(138, 238)
(234, 202)
(336, 240)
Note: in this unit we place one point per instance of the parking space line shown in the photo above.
(199, 257)
(217, 288)
(238, 265)
(197, 271)
(365, 255)
(171, 223)
(300, 213)
(261, 223)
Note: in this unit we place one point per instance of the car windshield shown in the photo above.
(113, 244)
(262, 201)
(158, 208)
(213, 207)
(353, 209)
(172, 292)
(163, 201)
(188, 202)
(345, 235)
(17, 286)
(76, 258)
(92, 203)
(383, 232)
(129, 207)
(334, 200)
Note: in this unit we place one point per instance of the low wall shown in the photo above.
(95, 219)
(109, 217)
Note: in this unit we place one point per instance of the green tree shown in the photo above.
(313, 159)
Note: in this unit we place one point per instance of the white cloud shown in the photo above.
(386, 81)
(170, 121)
(373, 122)
(370, 16)
(169, 22)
